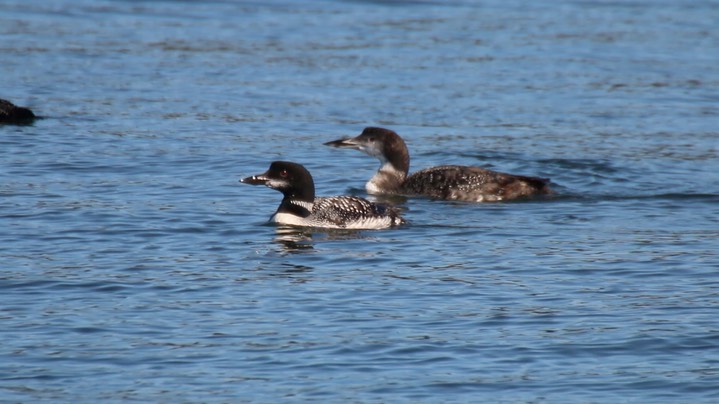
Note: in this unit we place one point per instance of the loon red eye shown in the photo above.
(283, 173)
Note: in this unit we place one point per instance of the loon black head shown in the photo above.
(292, 179)
(384, 144)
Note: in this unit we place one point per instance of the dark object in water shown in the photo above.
(11, 113)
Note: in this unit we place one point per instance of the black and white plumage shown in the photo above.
(300, 207)
(450, 182)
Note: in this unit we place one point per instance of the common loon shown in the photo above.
(450, 182)
(300, 207)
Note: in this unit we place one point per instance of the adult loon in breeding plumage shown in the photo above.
(451, 182)
(300, 207)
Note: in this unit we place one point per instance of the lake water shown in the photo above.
(135, 267)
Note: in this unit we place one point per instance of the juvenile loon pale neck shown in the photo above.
(301, 207)
(451, 182)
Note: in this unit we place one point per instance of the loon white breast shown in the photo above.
(450, 182)
(300, 207)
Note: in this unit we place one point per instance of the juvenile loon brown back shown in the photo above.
(450, 182)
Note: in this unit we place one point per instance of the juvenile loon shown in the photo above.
(300, 207)
(450, 182)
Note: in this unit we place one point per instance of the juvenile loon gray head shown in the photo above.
(300, 207)
(451, 182)
(389, 148)
(384, 144)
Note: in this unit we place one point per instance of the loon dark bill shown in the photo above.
(260, 179)
(345, 143)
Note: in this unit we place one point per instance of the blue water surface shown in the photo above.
(135, 267)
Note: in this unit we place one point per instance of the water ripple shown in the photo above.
(135, 267)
